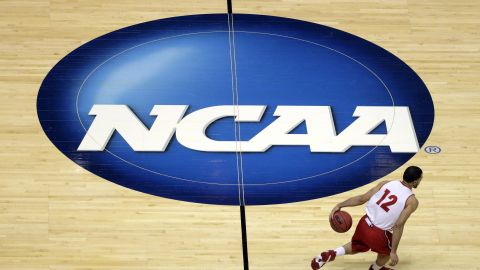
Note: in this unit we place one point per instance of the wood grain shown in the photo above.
(56, 215)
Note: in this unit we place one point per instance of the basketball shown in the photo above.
(341, 222)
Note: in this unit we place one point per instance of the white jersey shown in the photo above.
(385, 206)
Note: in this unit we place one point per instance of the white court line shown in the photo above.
(239, 130)
(233, 65)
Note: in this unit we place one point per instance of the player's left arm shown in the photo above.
(410, 207)
(357, 200)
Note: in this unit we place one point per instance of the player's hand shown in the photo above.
(335, 209)
(393, 258)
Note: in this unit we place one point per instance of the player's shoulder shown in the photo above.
(387, 182)
(395, 184)
(412, 201)
(383, 183)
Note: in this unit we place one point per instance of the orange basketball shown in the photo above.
(341, 221)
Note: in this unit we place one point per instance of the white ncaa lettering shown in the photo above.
(191, 130)
(321, 135)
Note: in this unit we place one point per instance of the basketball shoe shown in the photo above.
(322, 259)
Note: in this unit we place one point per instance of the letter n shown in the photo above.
(111, 118)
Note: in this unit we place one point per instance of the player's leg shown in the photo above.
(357, 245)
(382, 247)
(348, 249)
(382, 259)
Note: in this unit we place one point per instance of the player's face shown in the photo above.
(417, 182)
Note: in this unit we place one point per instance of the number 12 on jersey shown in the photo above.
(392, 200)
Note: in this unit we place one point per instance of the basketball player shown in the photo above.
(389, 206)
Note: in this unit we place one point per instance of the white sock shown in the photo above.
(340, 251)
(375, 266)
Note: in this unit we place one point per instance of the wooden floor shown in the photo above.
(56, 215)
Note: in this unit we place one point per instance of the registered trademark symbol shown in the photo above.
(433, 150)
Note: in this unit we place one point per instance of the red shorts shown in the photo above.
(371, 238)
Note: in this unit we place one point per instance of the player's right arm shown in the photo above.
(410, 207)
(358, 200)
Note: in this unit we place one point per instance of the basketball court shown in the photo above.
(55, 214)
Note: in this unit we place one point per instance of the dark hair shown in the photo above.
(412, 173)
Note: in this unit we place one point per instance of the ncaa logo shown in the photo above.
(187, 107)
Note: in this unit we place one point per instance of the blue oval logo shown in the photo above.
(266, 110)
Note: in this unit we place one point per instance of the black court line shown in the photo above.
(229, 6)
(244, 237)
(241, 188)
